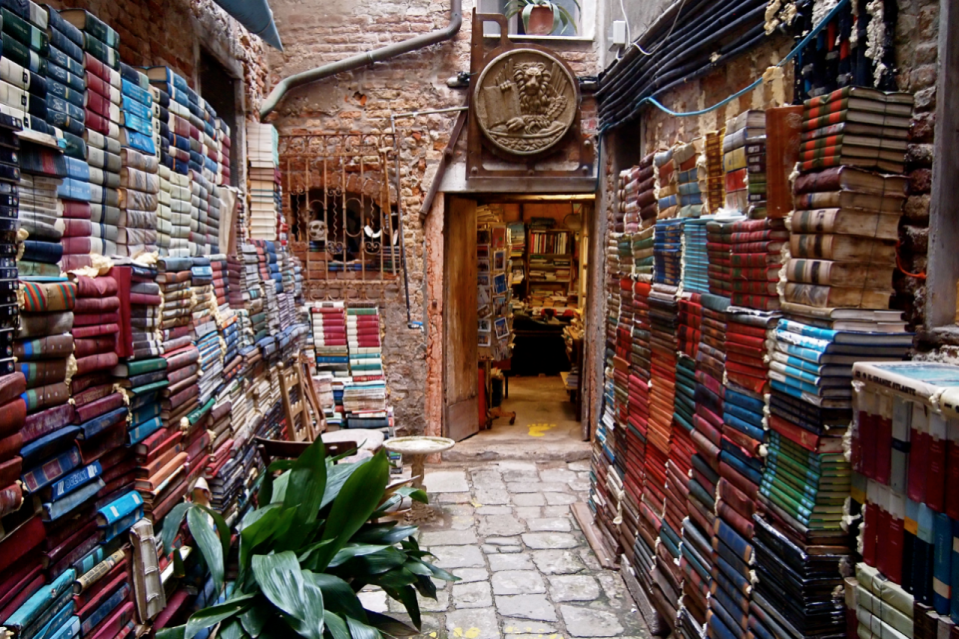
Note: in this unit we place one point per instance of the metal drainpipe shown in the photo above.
(365, 59)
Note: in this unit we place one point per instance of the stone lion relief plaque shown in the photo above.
(526, 101)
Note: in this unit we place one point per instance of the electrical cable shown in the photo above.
(793, 53)
(661, 42)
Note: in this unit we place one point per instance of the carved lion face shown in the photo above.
(532, 77)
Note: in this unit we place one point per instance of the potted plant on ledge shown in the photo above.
(542, 17)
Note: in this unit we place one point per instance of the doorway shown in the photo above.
(514, 297)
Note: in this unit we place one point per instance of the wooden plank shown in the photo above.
(943, 265)
(460, 340)
(584, 517)
(654, 620)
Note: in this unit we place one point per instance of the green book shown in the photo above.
(100, 51)
(139, 367)
(24, 56)
(89, 23)
(150, 388)
(25, 32)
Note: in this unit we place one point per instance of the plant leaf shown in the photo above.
(209, 544)
(336, 625)
(390, 626)
(265, 495)
(307, 483)
(360, 630)
(233, 630)
(213, 615)
(418, 568)
(439, 573)
(416, 494)
(171, 525)
(376, 563)
(388, 534)
(336, 477)
(396, 578)
(337, 594)
(354, 550)
(256, 618)
(425, 586)
(407, 596)
(357, 500)
(222, 530)
(285, 585)
(527, 11)
(556, 18)
(175, 632)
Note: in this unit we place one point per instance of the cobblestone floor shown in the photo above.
(527, 571)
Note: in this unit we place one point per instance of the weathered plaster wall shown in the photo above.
(315, 33)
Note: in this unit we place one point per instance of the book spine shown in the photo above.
(942, 566)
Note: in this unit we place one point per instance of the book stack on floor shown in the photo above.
(364, 397)
(616, 438)
(715, 177)
(641, 249)
(755, 261)
(880, 605)
(667, 190)
(668, 252)
(695, 274)
(718, 249)
(856, 126)
(29, 38)
(637, 420)
(904, 454)
(41, 173)
(744, 163)
(690, 180)
(207, 235)
(205, 329)
(139, 178)
(224, 176)
(263, 158)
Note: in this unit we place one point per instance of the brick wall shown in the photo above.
(316, 33)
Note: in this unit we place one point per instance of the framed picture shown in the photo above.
(499, 261)
(499, 283)
(482, 237)
(482, 250)
(485, 311)
(502, 328)
(483, 265)
(484, 326)
(485, 340)
(499, 236)
(482, 279)
(482, 296)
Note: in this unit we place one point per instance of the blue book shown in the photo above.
(120, 526)
(954, 600)
(77, 169)
(135, 92)
(138, 141)
(138, 109)
(942, 564)
(68, 630)
(48, 445)
(41, 476)
(119, 508)
(32, 608)
(733, 539)
(72, 189)
(93, 427)
(70, 482)
(751, 404)
(806, 354)
(103, 610)
(68, 503)
(62, 617)
(815, 332)
(721, 624)
(744, 427)
(141, 431)
(133, 122)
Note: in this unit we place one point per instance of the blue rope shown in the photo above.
(799, 47)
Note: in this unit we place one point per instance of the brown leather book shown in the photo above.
(783, 133)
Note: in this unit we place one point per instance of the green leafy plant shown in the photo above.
(312, 544)
(562, 18)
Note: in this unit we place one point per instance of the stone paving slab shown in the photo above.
(527, 571)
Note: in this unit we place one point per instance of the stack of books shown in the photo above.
(856, 126)
(36, 39)
(755, 262)
(329, 338)
(637, 420)
(172, 118)
(904, 455)
(641, 251)
(223, 143)
(715, 177)
(744, 163)
(668, 252)
(696, 256)
(718, 249)
(843, 243)
(139, 176)
(690, 180)
(637, 195)
(40, 176)
(879, 603)
(263, 159)
(667, 189)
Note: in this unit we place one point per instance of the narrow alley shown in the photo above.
(527, 571)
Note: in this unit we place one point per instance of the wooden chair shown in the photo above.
(270, 449)
(304, 417)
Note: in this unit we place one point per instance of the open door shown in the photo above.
(460, 343)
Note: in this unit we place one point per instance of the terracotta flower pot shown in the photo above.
(540, 21)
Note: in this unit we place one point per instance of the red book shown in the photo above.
(783, 133)
(895, 535)
(882, 539)
(936, 464)
(20, 596)
(17, 577)
(867, 444)
(870, 517)
(20, 542)
(952, 473)
(115, 624)
(882, 430)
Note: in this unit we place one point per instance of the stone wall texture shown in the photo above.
(316, 33)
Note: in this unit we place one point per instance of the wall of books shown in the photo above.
(139, 360)
(749, 273)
